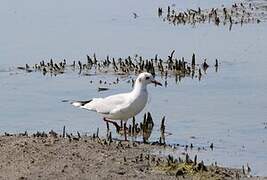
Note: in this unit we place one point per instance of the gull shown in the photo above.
(121, 106)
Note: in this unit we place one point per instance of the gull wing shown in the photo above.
(122, 108)
(108, 104)
(80, 103)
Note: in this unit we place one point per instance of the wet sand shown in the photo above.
(54, 157)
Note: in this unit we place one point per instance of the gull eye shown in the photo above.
(147, 78)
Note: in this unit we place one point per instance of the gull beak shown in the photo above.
(156, 82)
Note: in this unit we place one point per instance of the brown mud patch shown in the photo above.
(55, 157)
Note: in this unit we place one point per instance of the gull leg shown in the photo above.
(107, 129)
(107, 125)
(125, 133)
(114, 123)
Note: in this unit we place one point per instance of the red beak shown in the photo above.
(156, 82)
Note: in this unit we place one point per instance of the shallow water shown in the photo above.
(227, 108)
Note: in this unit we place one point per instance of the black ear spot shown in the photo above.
(139, 79)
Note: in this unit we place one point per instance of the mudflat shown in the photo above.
(55, 157)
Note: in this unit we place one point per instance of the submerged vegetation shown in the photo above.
(165, 67)
(242, 13)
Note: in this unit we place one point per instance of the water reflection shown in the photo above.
(135, 130)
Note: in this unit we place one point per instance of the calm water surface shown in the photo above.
(227, 108)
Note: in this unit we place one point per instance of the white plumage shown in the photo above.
(121, 106)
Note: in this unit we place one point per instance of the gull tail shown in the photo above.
(80, 103)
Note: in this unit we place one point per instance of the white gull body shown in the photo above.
(121, 106)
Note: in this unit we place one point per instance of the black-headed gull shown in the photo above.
(121, 106)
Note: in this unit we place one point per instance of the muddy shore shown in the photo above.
(55, 157)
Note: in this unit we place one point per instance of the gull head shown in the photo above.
(146, 78)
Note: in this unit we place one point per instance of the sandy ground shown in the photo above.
(28, 157)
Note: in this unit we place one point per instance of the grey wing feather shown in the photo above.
(106, 105)
(120, 108)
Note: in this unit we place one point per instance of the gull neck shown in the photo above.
(139, 87)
